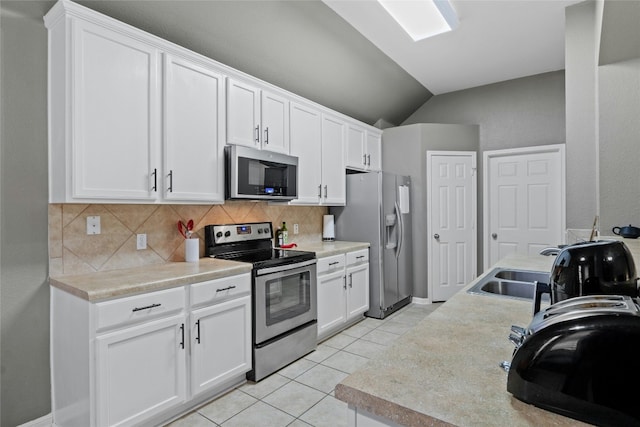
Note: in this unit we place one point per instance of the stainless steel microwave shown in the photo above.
(259, 174)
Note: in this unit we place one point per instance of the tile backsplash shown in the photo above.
(73, 251)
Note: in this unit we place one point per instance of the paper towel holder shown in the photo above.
(328, 229)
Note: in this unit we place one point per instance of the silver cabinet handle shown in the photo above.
(368, 159)
(344, 280)
(266, 135)
(351, 280)
(325, 191)
(198, 334)
(364, 159)
(256, 134)
(225, 289)
(170, 189)
(182, 333)
(320, 191)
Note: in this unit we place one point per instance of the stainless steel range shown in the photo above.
(284, 293)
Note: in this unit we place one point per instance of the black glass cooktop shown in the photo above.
(268, 257)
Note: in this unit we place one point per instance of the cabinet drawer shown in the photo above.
(358, 257)
(212, 291)
(330, 264)
(139, 308)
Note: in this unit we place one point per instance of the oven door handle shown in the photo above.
(286, 267)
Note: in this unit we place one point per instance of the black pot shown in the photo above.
(629, 231)
(590, 268)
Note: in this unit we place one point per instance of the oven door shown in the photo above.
(285, 298)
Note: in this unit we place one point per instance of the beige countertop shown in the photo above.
(118, 283)
(325, 249)
(445, 371)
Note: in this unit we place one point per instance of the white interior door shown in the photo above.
(451, 217)
(524, 209)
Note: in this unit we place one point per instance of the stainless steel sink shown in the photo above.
(510, 283)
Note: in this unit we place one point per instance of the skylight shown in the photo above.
(422, 18)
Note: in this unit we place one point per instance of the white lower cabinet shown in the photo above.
(343, 291)
(140, 371)
(142, 359)
(220, 343)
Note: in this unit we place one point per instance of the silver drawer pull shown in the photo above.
(360, 257)
(146, 307)
(334, 263)
(225, 289)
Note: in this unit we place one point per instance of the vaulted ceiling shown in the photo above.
(305, 47)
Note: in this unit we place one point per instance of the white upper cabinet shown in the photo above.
(113, 93)
(193, 131)
(134, 118)
(257, 118)
(124, 127)
(317, 139)
(363, 148)
(334, 183)
(306, 140)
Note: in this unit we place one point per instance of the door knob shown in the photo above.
(436, 236)
(494, 236)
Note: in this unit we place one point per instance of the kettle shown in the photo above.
(629, 231)
(590, 268)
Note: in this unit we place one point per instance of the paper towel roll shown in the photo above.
(328, 228)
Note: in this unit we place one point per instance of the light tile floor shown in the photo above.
(301, 394)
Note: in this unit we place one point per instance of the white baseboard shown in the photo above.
(421, 301)
(44, 421)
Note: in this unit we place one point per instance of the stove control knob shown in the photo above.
(219, 234)
(266, 230)
(227, 233)
(259, 230)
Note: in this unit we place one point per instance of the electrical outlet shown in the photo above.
(93, 225)
(296, 230)
(141, 241)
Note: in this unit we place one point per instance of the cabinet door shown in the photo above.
(333, 170)
(193, 132)
(331, 302)
(115, 110)
(275, 122)
(220, 343)
(354, 150)
(243, 113)
(357, 290)
(305, 125)
(373, 151)
(140, 371)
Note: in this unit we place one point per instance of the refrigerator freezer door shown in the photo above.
(405, 252)
(390, 290)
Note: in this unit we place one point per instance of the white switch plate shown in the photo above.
(141, 241)
(93, 225)
(296, 230)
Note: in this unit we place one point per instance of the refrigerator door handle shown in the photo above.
(400, 230)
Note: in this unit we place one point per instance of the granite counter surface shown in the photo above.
(130, 281)
(325, 249)
(445, 371)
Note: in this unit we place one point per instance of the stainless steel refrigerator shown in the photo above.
(378, 211)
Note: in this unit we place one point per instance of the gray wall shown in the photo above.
(581, 44)
(24, 292)
(517, 113)
(619, 142)
(404, 151)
